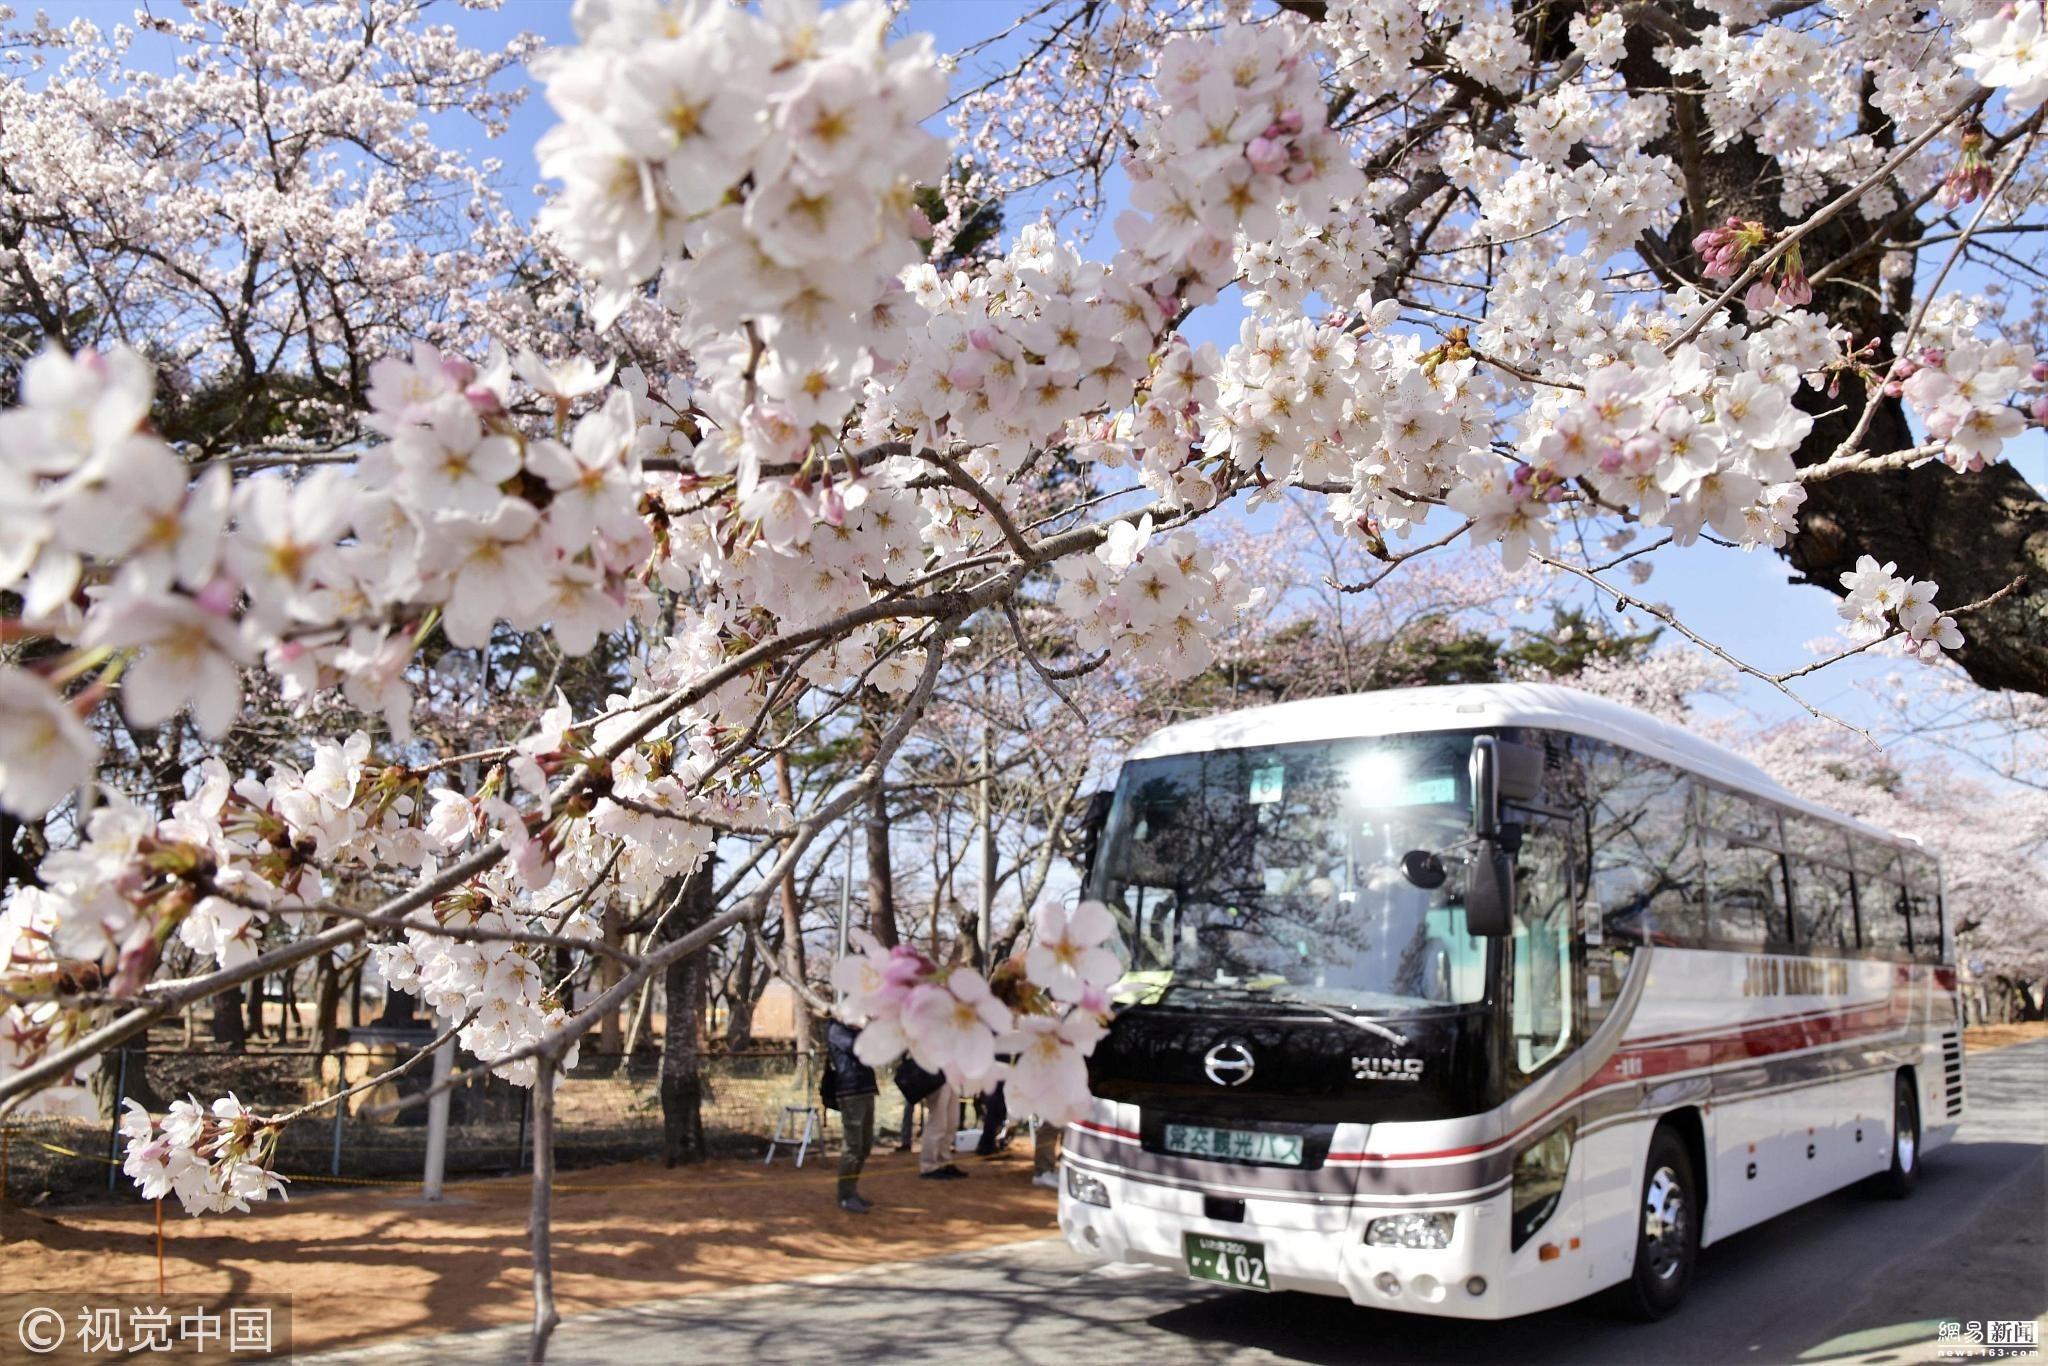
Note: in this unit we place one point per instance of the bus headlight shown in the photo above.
(1086, 1189)
(1411, 1230)
(1539, 1173)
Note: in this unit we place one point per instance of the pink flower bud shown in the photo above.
(2039, 408)
(1643, 451)
(2040, 372)
(458, 370)
(1266, 156)
(218, 597)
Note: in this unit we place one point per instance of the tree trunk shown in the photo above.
(686, 984)
(739, 1000)
(225, 1022)
(326, 1003)
(608, 973)
(1973, 534)
(792, 930)
(881, 880)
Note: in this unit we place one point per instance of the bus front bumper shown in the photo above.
(1317, 1249)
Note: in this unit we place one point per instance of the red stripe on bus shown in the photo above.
(1112, 1132)
(1659, 1062)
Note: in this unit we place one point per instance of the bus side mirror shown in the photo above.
(1094, 816)
(1498, 768)
(1489, 892)
(1485, 787)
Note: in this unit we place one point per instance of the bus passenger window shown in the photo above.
(1645, 866)
(1823, 902)
(1881, 899)
(1923, 888)
(1746, 899)
(1827, 913)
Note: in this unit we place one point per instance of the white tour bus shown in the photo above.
(1475, 1000)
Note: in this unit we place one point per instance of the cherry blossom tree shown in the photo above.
(1523, 280)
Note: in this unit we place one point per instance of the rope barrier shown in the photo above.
(795, 1178)
(826, 1173)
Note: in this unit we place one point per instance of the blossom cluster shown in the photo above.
(329, 580)
(1963, 394)
(1878, 598)
(2007, 49)
(1166, 601)
(1031, 1031)
(1240, 130)
(765, 166)
(212, 1160)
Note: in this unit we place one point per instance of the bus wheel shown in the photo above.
(1668, 1238)
(1898, 1183)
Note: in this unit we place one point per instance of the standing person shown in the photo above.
(853, 1090)
(1045, 1155)
(995, 1117)
(941, 1124)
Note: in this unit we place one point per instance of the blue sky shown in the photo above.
(1743, 602)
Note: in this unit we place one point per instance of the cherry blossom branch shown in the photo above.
(1791, 237)
(1624, 601)
(555, 1044)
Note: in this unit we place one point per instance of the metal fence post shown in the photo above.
(519, 1157)
(114, 1129)
(340, 1117)
(437, 1122)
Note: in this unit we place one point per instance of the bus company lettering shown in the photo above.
(1387, 1069)
(1765, 976)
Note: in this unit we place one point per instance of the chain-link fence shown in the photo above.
(608, 1109)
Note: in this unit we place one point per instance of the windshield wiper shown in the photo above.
(1394, 1037)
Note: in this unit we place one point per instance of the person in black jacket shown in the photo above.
(853, 1085)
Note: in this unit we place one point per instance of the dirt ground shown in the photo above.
(365, 1266)
(1980, 1037)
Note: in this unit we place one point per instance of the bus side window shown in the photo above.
(1881, 901)
(1823, 901)
(1746, 897)
(1923, 890)
(1644, 866)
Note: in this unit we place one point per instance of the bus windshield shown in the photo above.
(1278, 870)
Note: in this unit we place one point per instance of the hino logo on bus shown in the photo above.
(1228, 1064)
(1387, 1069)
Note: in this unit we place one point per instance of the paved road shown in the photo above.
(1845, 1279)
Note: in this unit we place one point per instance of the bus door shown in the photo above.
(1543, 1023)
(1541, 987)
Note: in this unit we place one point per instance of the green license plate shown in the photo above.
(1233, 1145)
(1226, 1261)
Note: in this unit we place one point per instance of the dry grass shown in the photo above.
(1981, 1037)
(369, 1266)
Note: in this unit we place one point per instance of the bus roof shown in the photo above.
(1483, 706)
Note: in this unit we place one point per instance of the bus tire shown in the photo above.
(1668, 1239)
(1898, 1183)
